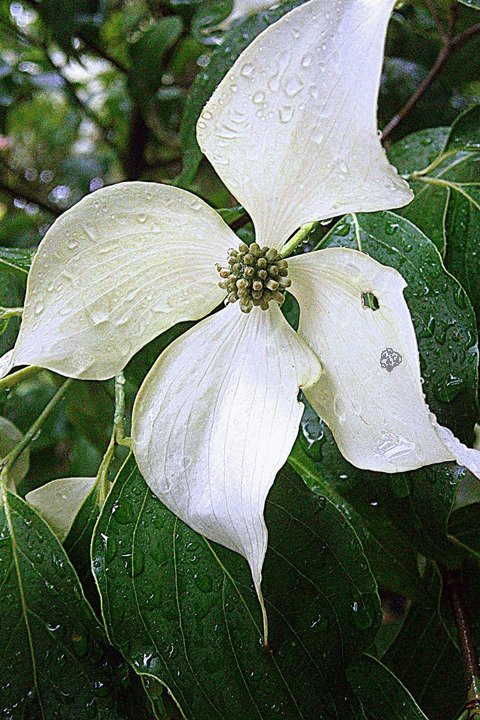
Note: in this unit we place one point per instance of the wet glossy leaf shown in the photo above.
(381, 693)
(447, 193)
(425, 658)
(54, 662)
(390, 551)
(184, 611)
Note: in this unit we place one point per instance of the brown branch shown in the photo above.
(83, 107)
(29, 196)
(450, 43)
(134, 162)
(455, 589)
(99, 50)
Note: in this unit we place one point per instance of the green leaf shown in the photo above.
(147, 55)
(465, 132)
(463, 526)
(184, 611)
(235, 41)
(425, 658)
(390, 551)
(381, 693)
(16, 261)
(10, 437)
(78, 540)
(54, 663)
(447, 193)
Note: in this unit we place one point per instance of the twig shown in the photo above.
(29, 196)
(456, 594)
(74, 97)
(19, 376)
(99, 50)
(450, 43)
(14, 454)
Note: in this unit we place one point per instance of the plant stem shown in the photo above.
(29, 196)
(117, 437)
(456, 594)
(296, 239)
(9, 312)
(450, 43)
(14, 454)
(118, 429)
(14, 378)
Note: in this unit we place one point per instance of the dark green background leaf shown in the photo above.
(55, 661)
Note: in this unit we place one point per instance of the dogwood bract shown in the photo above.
(291, 130)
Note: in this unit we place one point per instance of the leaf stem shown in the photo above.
(455, 589)
(14, 454)
(29, 196)
(16, 377)
(117, 438)
(450, 43)
(297, 238)
(9, 312)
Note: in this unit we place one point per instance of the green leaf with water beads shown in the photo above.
(183, 610)
(424, 656)
(234, 42)
(55, 661)
(444, 165)
(381, 693)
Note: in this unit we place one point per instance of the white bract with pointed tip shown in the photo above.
(292, 132)
(59, 501)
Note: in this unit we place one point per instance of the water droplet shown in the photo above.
(258, 98)
(316, 134)
(307, 60)
(286, 113)
(247, 70)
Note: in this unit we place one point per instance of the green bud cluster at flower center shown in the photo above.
(255, 276)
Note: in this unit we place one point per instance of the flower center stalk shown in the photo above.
(255, 277)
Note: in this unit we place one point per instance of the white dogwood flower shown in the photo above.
(292, 132)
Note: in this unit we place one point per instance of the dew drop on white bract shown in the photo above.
(258, 98)
(286, 113)
(247, 70)
(307, 60)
